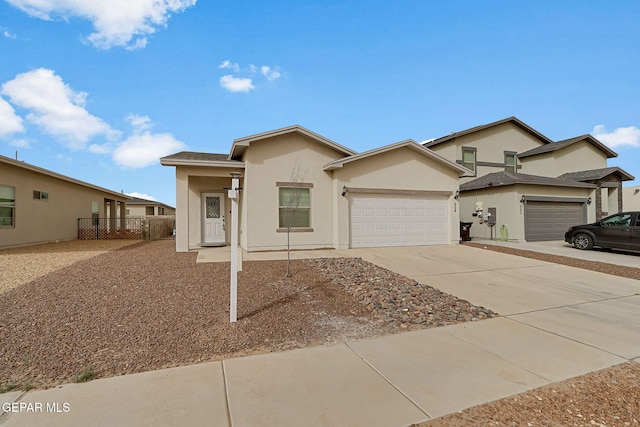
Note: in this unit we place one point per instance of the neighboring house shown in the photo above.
(400, 194)
(631, 196)
(142, 207)
(139, 208)
(534, 188)
(38, 205)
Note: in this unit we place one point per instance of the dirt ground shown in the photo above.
(144, 307)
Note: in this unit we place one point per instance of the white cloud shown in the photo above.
(55, 107)
(10, 122)
(226, 64)
(9, 35)
(101, 148)
(236, 84)
(144, 148)
(269, 73)
(142, 196)
(123, 23)
(139, 123)
(621, 136)
(20, 143)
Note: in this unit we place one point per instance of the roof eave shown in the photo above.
(513, 119)
(409, 143)
(120, 197)
(210, 163)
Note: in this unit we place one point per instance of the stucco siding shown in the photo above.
(542, 164)
(274, 160)
(510, 209)
(579, 157)
(491, 145)
(631, 198)
(49, 220)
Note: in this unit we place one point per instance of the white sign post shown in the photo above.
(233, 196)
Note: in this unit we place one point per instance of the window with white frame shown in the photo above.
(294, 206)
(469, 158)
(7, 206)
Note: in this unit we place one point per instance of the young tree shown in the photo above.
(291, 198)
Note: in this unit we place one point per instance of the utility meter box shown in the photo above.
(492, 216)
(478, 206)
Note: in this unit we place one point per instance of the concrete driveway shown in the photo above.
(558, 322)
(562, 248)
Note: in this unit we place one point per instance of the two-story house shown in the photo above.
(534, 188)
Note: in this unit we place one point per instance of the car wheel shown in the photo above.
(583, 241)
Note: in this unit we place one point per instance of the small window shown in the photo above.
(149, 210)
(40, 195)
(7, 206)
(510, 162)
(294, 205)
(469, 158)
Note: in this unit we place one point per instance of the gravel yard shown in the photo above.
(146, 307)
(70, 309)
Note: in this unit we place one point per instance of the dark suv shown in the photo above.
(620, 231)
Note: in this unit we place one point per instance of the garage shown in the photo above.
(379, 220)
(545, 220)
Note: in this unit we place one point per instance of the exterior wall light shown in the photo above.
(457, 194)
(522, 199)
(345, 190)
(589, 201)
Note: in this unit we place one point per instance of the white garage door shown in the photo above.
(386, 220)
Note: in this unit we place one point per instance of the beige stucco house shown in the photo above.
(143, 208)
(534, 187)
(38, 205)
(631, 196)
(400, 194)
(137, 207)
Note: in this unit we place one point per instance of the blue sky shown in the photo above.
(100, 90)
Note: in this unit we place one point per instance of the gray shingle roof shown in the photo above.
(554, 146)
(595, 174)
(500, 179)
(512, 119)
(190, 155)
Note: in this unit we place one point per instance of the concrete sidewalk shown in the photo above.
(559, 322)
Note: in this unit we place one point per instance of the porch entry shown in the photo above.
(213, 219)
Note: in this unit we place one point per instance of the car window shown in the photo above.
(622, 220)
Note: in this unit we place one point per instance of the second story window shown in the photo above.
(469, 158)
(509, 162)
